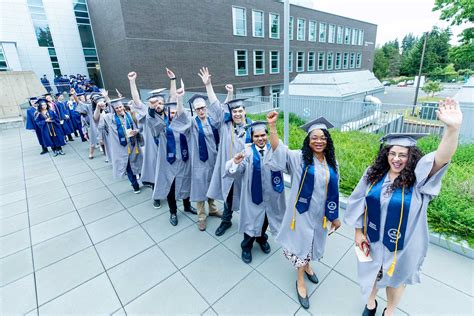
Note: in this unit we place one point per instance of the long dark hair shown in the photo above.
(329, 153)
(380, 167)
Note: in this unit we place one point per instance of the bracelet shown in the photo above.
(174, 78)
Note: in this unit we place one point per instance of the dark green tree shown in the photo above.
(380, 64)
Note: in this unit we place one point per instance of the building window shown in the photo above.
(355, 36)
(258, 62)
(320, 61)
(347, 36)
(300, 62)
(300, 35)
(312, 31)
(338, 61)
(311, 63)
(3, 60)
(239, 20)
(274, 21)
(291, 26)
(330, 61)
(345, 62)
(274, 62)
(322, 32)
(331, 33)
(290, 61)
(241, 68)
(258, 22)
(359, 60)
(339, 34)
(361, 37)
(352, 65)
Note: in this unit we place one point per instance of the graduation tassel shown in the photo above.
(292, 224)
(324, 222)
(394, 261)
(128, 149)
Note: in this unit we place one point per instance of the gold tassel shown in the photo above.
(324, 222)
(136, 149)
(293, 223)
(392, 268)
(129, 150)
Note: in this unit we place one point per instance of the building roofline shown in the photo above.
(341, 16)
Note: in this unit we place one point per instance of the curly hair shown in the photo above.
(329, 153)
(380, 167)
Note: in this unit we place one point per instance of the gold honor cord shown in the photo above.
(124, 125)
(296, 201)
(327, 183)
(394, 261)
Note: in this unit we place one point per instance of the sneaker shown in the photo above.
(55, 153)
(44, 151)
(61, 153)
(136, 189)
(157, 204)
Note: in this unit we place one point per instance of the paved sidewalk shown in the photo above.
(75, 240)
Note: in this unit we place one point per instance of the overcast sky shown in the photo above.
(394, 18)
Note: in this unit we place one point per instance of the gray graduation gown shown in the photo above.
(411, 257)
(202, 170)
(93, 128)
(273, 204)
(309, 236)
(179, 171)
(229, 146)
(150, 149)
(117, 153)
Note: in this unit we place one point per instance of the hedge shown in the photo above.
(451, 213)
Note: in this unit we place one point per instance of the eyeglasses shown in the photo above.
(200, 109)
(320, 139)
(393, 154)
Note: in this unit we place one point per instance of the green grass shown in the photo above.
(430, 99)
(451, 213)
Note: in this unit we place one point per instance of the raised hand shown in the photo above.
(104, 93)
(170, 73)
(449, 113)
(229, 88)
(180, 91)
(132, 75)
(205, 75)
(272, 117)
(239, 157)
(72, 91)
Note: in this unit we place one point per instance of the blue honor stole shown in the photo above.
(256, 187)
(203, 154)
(120, 131)
(331, 209)
(397, 215)
(171, 144)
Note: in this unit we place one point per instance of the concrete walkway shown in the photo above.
(73, 240)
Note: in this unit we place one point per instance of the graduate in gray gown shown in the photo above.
(388, 210)
(233, 137)
(87, 112)
(122, 142)
(313, 199)
(262, 195)
(173, 165)
(204, 144)
(150, 150)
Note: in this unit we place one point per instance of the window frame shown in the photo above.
(298, 54)
(361, 38)
(347, 35)
(345, 60)
(354, 36)
(359, 60)
(270, 33)
(298, 37)
(271, 60)
(321, 68)
(234, 21)
(338, 65)
(331, 35)
(308, 68)
(291, 26)
(253, 23)
(331, 66)
(322, 31)
(352, 60)
(315, 38)
(291, 58)
(236, 63)
(255, 62)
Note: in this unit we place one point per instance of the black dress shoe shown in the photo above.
(174, 219)
(246, 256)
(156, 203)
(304, 301)
(44, 151)
(383, 313)
(312, 277)
(370, 312)
(222, 228)
(265, 247)
(191, 210)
